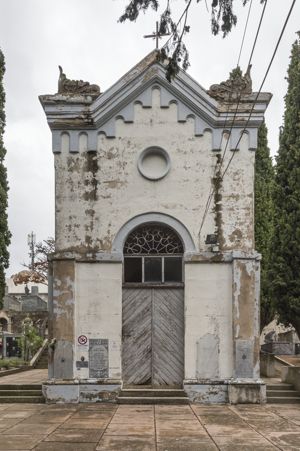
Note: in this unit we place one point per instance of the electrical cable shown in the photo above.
(227, 113)
(261, 86)
(262, 83)
(245, 29)
(257, 33)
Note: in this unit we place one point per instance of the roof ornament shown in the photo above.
(236, 86)
(67, 86)
(158, 34)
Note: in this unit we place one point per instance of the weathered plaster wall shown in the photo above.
(99, 312)
(98, 191)
(62, 314)
(208, 321)
(236, 223)
(246, 317)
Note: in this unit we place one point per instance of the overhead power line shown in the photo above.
(257, 32)
(212, 188)
(257, 95)
(262, 83)
(244, 34)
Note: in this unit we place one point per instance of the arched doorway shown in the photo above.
(153, 307)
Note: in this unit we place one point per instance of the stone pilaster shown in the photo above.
(62, 319)
(246, 273)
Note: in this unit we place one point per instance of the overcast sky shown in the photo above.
(85, 38)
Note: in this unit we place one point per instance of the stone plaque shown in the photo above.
(98, 357)
(82, 364)
(244, 358)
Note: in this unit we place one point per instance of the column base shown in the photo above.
(232, 391)
(75, 391)
(247, 391)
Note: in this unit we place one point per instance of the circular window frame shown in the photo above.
(154, 150)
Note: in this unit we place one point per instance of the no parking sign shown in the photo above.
(82, 339)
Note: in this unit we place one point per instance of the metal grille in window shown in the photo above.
(153, 240)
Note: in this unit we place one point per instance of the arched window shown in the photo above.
(153, 254)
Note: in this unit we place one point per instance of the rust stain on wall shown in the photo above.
(245, 300)
(90, 170)
(63, 299)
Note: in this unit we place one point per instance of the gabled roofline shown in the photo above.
(84, 112)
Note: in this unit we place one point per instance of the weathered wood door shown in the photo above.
(153, 336)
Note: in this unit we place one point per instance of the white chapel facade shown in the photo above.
(151, 284)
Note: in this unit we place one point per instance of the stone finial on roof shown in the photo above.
(67, 86)
(237, 85)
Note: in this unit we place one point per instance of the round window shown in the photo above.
(154, 163)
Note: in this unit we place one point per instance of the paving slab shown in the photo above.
(286, 440)
(75, 435)
(17, 442)
(62, 446)
(46, 419)
(189, 444)
(210, 410)
(25, 377)
(254, 440)
(12, 414)
(8, 422)
(24, 406)
(85, 424)
(25, 429)
(131, 429)
(108, 427)
(270, 425)
(132, 443)
(178, 429)
(245, 447)
(92, 415)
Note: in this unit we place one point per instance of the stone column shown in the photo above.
(246, 386)
(246, 317)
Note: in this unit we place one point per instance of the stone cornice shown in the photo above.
(81, 112)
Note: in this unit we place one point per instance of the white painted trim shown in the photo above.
(151, 217)
(152, 151)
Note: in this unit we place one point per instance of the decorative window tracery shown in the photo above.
(153, 239)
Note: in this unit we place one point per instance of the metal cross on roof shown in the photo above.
(156, 35)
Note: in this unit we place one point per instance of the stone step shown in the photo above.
(282, 400)
(152, 393)
(279, 387)
(153, 400)
(20, 392)
(22, 399)
(283, 393)
(41, 366)
(20, 386)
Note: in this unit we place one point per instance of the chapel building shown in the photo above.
(155, 277)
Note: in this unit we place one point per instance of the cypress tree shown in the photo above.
(264, 217)
(286, 244)
(4, 232)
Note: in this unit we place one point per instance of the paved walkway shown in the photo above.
(25, 377)
(110, 427)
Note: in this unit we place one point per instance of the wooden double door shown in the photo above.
(153, 336)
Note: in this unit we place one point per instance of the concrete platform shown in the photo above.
(26, 377)
(112, 427)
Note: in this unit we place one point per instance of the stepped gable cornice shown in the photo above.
(211, 109)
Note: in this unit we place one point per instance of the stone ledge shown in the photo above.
(87, 257)
(86, 391)
(232, 391)
(220, 257)
(107, 381)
